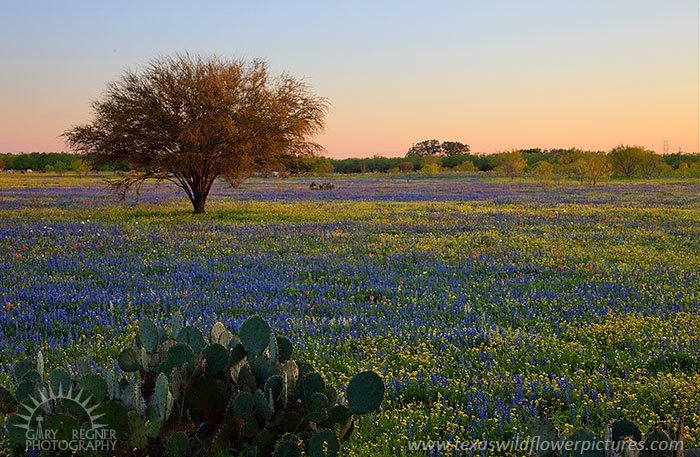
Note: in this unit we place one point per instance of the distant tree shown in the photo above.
(60, 167)
(653, 165)
(535, 155)
(543, 170)
(694, 170)
(626, 160)
(425, 148)
(467, 166)
(451, 148)
(431, 169)
(406, 166)
(2, 165)
(434, 147)
(509, 164)
(190, 120)
(322, 165)
(80, 166)
(592, 167)
(431, 164)
(48, 168)
(431, 160)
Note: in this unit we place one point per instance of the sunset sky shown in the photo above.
(496, 74)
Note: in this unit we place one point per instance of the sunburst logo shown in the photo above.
(64, 420)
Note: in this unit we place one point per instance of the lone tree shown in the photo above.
(192, 119)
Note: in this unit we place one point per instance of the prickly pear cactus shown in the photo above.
(177, 445)
(324, 443)
(255, 336)
(658, 443)
(365, 392)
(546, 436)
(178, 389)
(625, 429)
(129, 360)
(586, 444)
(192, 337)
(148, 335)
(164, 398)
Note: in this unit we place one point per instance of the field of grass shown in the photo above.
(482, 303)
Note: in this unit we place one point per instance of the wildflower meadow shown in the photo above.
(482, 303)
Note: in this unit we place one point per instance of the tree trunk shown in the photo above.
(199, 199)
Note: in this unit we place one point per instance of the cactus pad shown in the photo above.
(128, 360)
(324, 443)
(546, 436)
(237, 353)
(192, 337)
(624, 428)
(115, 417)
(60, 380)
(64, 425)
(288, 449)
(153, 423)
(148, 335)
(586, 445)
(653, 446)
(255, 335)
(94, 385)
(312, 383)
(263, 369)
(176, 323)
(177, 445)
(316, 407)
(262, 406)
(216, 356)
(331, 394)
(365, 392)
(21, 367)
(164, 398)
(25, 389)
(177, 355)
(275, 384)
(272, 347)
(137, 431)
(110, 380)
(284, 349)
(220, 334)
(243, 405)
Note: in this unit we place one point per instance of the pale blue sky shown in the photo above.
(494, 74)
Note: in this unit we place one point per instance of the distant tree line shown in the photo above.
(623, 161)
(547, 164)
(54, 162)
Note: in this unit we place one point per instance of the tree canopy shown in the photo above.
(192, 119)
(434, 147)
(510, 163)
(627, 160)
